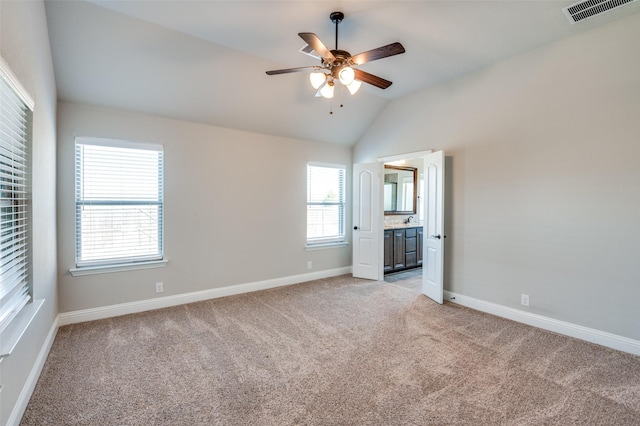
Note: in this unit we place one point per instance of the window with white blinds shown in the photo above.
(119, 202)
(325, 203)
(16, 111)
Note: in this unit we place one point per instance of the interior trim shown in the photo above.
(30, 384)
(592, 335)
(120, 267)
(14, 83)
(18, 326)
(110, 311)
(407, 156)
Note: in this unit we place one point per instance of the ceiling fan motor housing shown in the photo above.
(341, 60)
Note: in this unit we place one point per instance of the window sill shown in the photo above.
(14, 331)
(322, 246)
(121, 267)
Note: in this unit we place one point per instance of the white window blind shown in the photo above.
(16, 111)
(119, 202)
(325, 203)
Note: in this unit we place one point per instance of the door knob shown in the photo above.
(355, 228)
(437, 237)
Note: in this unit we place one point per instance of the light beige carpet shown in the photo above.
(338, 351)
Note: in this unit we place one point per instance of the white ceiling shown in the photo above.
(205, 61)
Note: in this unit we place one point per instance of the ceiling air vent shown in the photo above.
(308, 50)
(586, 9)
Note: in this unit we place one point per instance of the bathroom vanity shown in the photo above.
(402, 238)
(402, 248)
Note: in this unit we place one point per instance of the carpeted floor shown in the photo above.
(337, 351)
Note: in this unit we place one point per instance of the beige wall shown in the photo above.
(235, 207)
(24, 45)
(543, 158)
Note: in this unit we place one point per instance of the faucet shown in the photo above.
(408, 221)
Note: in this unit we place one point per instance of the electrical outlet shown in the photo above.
(159, 287)
(524, 299)
(309, 265)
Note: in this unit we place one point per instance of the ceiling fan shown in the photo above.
(340, 65)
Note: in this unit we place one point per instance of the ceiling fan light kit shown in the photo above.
(317, 79)
(327, 90)
(346, 75)
(354, 86)
(339, 65)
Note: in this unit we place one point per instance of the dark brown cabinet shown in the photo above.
(411, 248)
(398, 249)
(388, 250)
(402, 249)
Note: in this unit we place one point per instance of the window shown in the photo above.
(407, 194)
(325, 203)
(16, 111)
(119, 202)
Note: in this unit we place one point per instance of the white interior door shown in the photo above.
(433, 251)
(367, 223)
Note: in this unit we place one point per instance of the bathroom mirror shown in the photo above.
(400, 189)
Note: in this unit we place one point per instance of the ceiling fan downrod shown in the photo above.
(336, 18)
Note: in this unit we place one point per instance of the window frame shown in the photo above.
(336, 240)
(16, 282)
(117, 264)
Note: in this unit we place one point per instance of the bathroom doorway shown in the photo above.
(426, 233)
(403, 210)
(369, 233)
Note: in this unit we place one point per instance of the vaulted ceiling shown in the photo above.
(205, 61)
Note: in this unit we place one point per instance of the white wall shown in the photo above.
(543, 158)
(24, 45)
(235, 207)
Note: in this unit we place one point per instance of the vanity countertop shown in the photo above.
(403, 225)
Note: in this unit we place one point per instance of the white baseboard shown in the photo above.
(603, 338)
(27, 390)
(102, 312)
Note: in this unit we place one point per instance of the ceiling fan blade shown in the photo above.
(289, 70)
(379, 53)
(312, 40)
(372, 79)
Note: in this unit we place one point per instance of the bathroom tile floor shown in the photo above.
(403, 275)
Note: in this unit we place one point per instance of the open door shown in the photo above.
(433, 251)
(367, 223)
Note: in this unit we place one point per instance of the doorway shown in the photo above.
(403, 210)
(368, 218)
(431, 203)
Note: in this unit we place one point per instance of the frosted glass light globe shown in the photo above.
(346, 75)
(354, 86)
(317, 79)
(327, 90)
